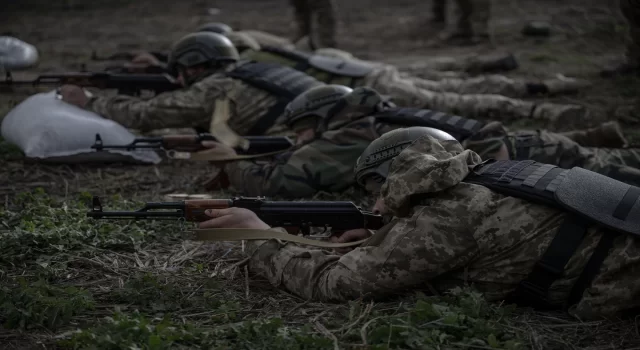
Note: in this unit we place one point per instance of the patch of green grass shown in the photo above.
(8, 150)
(134, 331)
(37, 304)
(461, 320)
(43, 229)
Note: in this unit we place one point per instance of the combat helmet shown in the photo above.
(310, 108)
(377, 157)
(199, 48)
(215, 27)
(243, 42)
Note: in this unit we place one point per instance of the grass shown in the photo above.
(70, 282)
(112, 285)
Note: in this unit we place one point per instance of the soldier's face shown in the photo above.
(305, 135)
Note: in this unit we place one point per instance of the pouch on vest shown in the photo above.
(284, 83)
(458, 127)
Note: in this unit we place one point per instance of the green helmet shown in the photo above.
(377, 157)
(215, 27)
(201, 48)
(311, 107)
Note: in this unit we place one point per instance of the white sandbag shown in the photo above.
(15, 54)
(51, 130)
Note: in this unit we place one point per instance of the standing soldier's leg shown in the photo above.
(481, 15)
(302, 15)
(606, 134)
(439, 12)
(631, 11)
(323, 24)
(388, 81)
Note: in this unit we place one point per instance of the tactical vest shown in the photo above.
(283, 82)
(589, 198)
(333, 66)
(458, 127)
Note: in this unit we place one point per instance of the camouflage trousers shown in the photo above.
(486, 84)
(387, 80)
(622, 164)
(316, 19)
(631, 11)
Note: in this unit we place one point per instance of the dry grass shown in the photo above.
(120, 284)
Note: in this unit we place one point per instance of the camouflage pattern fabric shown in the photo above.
(190, 107)
(631, 11)
(316, 19)
(458, 234)
(387, 80)
(325, 164)
(478, 97)
(552, 148)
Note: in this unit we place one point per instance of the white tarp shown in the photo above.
(15, 54)
(52, 130)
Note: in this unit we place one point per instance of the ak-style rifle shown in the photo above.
(128, 84)
(336, 215)
(193, 143)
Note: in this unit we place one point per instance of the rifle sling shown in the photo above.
(240, 234)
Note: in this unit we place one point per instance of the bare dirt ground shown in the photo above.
(59, 272)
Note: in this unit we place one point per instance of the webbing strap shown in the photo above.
(534, 290)
(239, 234)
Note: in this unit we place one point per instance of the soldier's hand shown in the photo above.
(146, 58)
(233, 218)
(74, 95)
(350, 236)
(219, 149)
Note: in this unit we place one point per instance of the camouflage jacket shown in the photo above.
(448, 233)
(189, 107)
(325, 164)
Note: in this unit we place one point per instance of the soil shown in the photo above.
(586, 35)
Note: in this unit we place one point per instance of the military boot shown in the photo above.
(564, 85)
(500, 62)
(561, 115)
(621, 69)
(605, 135)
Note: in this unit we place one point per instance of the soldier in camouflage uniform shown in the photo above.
(623, 164)
(631, 11)
(334, 125)
(421, 93)
(316, 20)
(455, 225)
(206, 64)
(324, 160)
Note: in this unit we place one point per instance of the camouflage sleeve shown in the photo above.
(408, 252)
(181, 108)
(487, 141)
(319, 166)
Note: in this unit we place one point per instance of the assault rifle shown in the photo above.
(128, 84)
(337, 215)
(193, 143)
